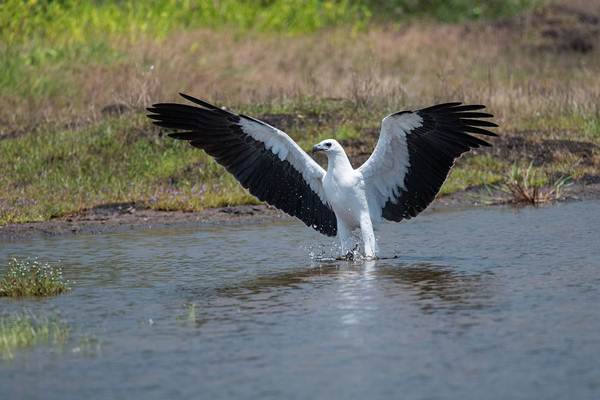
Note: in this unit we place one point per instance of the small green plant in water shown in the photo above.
(32, 278)
(192, 314)
(24, 330)
(89, 345)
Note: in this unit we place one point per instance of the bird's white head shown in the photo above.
(328, 146)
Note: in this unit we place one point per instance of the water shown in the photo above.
(480, 303)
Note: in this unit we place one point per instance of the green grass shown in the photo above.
(448, 10)
(53, 173)
(474, 171)
(586, 124)
(54, 36)
(24, 330)
(24, 278)
(70, 21)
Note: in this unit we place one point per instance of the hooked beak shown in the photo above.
(316, 149)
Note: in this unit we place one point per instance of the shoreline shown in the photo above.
(114, 218)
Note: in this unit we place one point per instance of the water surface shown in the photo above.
(481, 303)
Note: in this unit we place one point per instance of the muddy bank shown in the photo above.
(122, 217)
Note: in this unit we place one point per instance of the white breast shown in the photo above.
(346, 195)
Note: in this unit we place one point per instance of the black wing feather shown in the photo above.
(263, 173)
(433, 148)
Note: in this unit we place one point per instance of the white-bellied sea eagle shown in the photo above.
(411, 161)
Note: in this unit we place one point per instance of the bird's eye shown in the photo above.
(327, 144)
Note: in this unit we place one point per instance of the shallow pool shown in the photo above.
(478, 304)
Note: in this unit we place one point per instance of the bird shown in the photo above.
(410, 162)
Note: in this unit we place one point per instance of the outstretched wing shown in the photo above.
(414, 154)
(262, 158)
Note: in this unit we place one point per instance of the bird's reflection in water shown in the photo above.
(440, 288)
(433, 287)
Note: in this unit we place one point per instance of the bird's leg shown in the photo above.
(345, 237)
(366, 230)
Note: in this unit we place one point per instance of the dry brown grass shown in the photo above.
(525, 186)
(503, 65)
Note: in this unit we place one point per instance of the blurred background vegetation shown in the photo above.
(75, 78)
(40, 33)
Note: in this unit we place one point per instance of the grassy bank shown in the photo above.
(73, 134)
